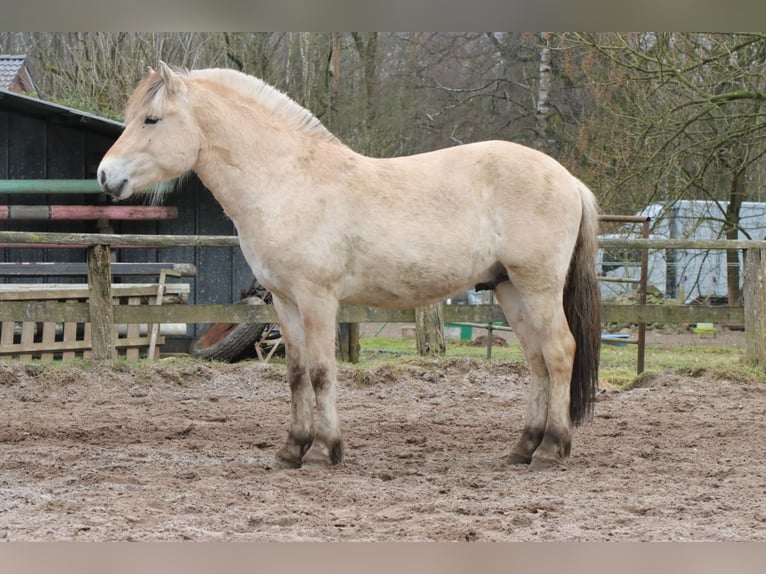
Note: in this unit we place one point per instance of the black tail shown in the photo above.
(582, 306)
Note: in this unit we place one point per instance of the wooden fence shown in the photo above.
(101, 312)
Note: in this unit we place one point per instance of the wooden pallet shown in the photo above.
(28, 340)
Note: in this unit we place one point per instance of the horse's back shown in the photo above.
(426, 226)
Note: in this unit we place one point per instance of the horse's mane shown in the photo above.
(266, 95)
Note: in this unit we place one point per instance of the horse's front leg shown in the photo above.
(319, 316)
(300, 433)
(309, 332)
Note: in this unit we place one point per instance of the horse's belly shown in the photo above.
(413, 286)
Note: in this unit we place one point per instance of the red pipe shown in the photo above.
(83, 212)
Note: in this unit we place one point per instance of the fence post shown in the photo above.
(100, 303)
(347, 342)
(754, 291)
(429, 329)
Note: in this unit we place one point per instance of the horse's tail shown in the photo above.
(582, 305)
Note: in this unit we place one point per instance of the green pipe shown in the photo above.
(52, 186)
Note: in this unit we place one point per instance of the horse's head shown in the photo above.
(161, 140)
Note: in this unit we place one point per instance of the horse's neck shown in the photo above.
(232, 157)
(251, 165)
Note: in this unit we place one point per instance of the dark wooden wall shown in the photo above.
(36, 147)
(33, 148)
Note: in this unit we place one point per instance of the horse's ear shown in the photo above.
(171, 80)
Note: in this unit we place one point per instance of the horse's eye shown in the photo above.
(151, 120)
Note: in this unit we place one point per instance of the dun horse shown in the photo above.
(320, 224)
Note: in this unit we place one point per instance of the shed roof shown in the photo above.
(59, 114)
(10, 66)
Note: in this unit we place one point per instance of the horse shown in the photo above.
(320, 224)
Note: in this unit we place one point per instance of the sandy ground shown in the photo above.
(180, 450)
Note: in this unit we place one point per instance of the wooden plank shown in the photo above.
(87, 337)
(48, 339)
(132, 332)
(702, 244)
(100, 303)
(72, 347)
(86, 212)
(229, 313)
(70, 330)
(27, 338)
(49, 291)
(672, 314)
(46, 269)
(161, 241)
(7, 332)
(34, 239)
(60, 312)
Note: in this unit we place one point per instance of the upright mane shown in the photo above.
(149, 97)
(268, 96)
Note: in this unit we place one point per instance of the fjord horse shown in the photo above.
(320, 224)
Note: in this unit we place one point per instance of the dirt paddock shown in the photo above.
(181, 450)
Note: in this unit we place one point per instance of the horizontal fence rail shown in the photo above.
(85, 212)
(208, 313)
(156, 241)
(203, 313)
(49, 186)
(113, 240)
(724, 244)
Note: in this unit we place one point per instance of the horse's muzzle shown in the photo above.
(109, 188)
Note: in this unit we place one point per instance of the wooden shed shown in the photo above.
(45, 141)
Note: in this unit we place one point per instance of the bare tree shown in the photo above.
(688, 117)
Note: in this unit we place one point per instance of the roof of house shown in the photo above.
(58, 113)
(10, 67)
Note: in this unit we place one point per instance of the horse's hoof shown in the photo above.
(315, 459)
(517, 458)
(320, 455)
(286, 459)
(547, 463)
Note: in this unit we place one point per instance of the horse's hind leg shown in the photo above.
(538, 319)
(537, 399)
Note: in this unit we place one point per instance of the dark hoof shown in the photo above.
(320, 455)
(516, 458)
(290, 455)
(284, 460)
(547, 463)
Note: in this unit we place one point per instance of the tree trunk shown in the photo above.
(543, 108)
(731, 226)
(429, 329)
(367, 47)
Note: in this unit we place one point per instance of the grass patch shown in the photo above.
(379, 349)
(617, 369)
(618, 364)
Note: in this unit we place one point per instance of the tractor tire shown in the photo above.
(228, 342)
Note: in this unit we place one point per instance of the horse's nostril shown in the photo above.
(102, 177)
